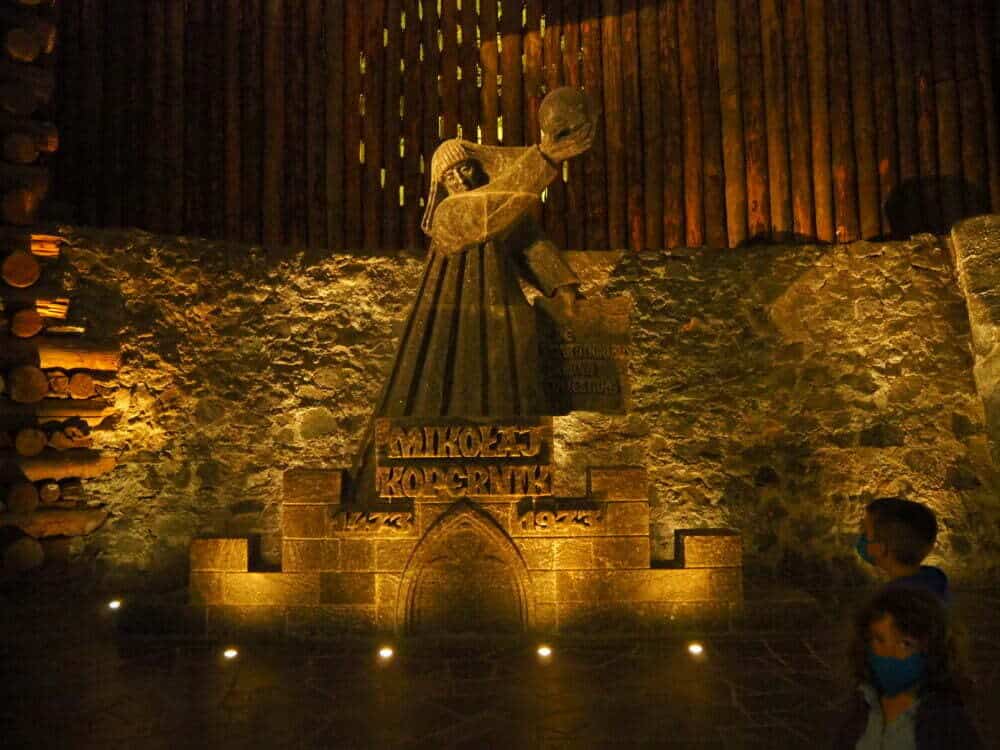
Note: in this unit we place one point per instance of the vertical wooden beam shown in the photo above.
(393, 128)
(489, 94)
(819, 119)
(711, 117)
(754, 120)
(511, 96)
(803, 224)
(213, 212)
(134, 135)
(154, 163)
(93, 111)
(533, 79)
(927, 139)
(68, 105)
(694, 206)
(611, 56)
(884, 100)
(316, 236)
(412, 179)
(652, 126)
(593, 81)
(859, 46)
(173, 197)
(905, 205)
(469, 58)
(233, 117)
(576, 194)
(336, 106)
(252, 136)
(946, 97)
(195, 118)
(731, 112)
(273, 177)
(555, 206)
(632, 122)
(431, 93)
(986, 29)
(449, 68)
(673, 127)
(845, 182)
(354, 26)
(294, 207)
(112, 172)
(374, 91)
(772, 45)
(971, 118)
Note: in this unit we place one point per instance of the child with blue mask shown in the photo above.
(896, 536)
(903, 655)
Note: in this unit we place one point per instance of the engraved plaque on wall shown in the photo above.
(585, 355)
(424, 457)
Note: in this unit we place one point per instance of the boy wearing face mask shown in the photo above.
(897, 535)
(903, 654)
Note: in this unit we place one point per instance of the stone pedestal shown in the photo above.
(486, 565)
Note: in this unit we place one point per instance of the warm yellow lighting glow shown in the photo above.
(696, 649)
(115, 604)
(544, 651)
(230, 653)
(385, 652)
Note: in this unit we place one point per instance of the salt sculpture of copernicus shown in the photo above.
(469, 348)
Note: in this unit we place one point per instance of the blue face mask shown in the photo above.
(861, 546)
(895, 676)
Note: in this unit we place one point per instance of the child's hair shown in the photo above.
(920, 615)
(906, 528)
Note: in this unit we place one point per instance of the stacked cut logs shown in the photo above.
(52, 379)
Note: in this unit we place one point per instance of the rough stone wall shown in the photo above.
(774, 390)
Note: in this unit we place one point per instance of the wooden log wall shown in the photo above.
(52, 378)
(311, 122)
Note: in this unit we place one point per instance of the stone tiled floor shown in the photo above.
(70, 682)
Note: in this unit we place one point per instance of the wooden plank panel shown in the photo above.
(779, 184)
(555, 204)
(711, 115)
(694, 206)
(673, 127)
(294, 211)
(489, 57)
(803, 224)
(173, 197)
(469, 86)
(273, 173)
(986, 33)
(971, 118)
(110, 177)
(92, 110)
(156, 115)
(946, 98)
(449, 68)
(135, 135)
(819, 120)
(252, 130)
(862, 108)
(533, 78)
(195, 118)
(354, 25)
(930, 194)
(233, 116)
(214, 143)
(337, 105)
(412, 121)
(316, 233)
(842, 136)
(575, 171)
(593, 81)
(731, 112)
(431, 95)
(511, 92)
(374, 92)
(392, 128)
(884, 101)
(652, 126)
(905, 213)
(632, 123)
(754, 121)
(614, 164)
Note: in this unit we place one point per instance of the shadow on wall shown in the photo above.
(933, 204)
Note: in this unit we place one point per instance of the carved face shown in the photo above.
(464, 176)
(563, 111)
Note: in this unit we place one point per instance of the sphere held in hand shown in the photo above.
(563, 112)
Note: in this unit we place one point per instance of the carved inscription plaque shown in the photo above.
(585, 355)
(419, 457)
(375, 523)
(562, 518)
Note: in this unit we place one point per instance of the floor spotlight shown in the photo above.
(696, 649)
(115, 604)
(230, 653)
(385, 653)
(544, 651)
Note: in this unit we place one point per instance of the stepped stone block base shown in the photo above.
(432, 566)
